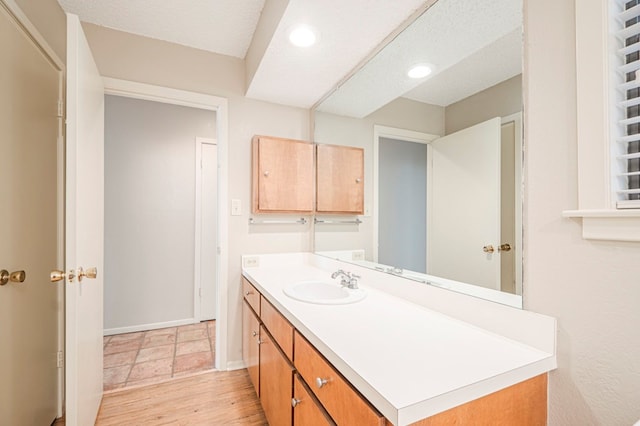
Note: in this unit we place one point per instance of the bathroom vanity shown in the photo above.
(406, 353)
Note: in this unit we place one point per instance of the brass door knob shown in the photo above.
(504, 247)
(57, 275)
(14, 277)
(89, 273)
(488, 249)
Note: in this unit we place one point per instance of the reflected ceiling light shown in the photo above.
(302, 36)
(419, 71)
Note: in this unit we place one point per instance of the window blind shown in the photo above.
(626, 150)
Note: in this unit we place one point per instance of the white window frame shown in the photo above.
(601, 220)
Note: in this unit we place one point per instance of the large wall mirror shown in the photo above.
(443, 152)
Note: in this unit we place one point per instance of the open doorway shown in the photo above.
(162, 254)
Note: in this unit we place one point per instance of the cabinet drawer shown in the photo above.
(307, 411)
(342, 402)
(251, 295)
(278, 326)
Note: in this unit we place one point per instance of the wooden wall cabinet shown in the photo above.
(339, 179)
(282, 175)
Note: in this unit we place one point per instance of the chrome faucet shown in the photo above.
(349, 279)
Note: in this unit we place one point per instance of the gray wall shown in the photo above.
(500, 100)
(149, 210)
(402, 210)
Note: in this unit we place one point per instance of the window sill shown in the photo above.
(609, 225)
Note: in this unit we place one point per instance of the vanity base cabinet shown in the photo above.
(337, 395)
(251, 344)
(276, 381)
(307, 411)
(523, 404)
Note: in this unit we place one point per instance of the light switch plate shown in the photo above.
(236, 207)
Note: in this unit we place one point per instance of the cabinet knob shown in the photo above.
(295, 402)
(358, 180)
(254, 333)
(248, 293)
(266, 173)
(320, 382)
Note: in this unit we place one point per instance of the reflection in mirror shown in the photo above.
(443, 153)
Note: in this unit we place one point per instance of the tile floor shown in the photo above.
(152, 356)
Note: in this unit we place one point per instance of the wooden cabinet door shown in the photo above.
(276, 375)
(250, 344)
(307, 411)
(340, 179)
(282, 175)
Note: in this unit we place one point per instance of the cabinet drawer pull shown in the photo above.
(295, 402)
(248, 293)
(254, 333)
(321, 382)
(260, 341)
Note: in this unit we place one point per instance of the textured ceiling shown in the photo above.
(453, 36)
(349, 31)
(221, 26)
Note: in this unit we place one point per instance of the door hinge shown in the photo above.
(60, 108)
(219, 250)
(59, 359)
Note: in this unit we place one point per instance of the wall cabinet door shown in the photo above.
(251, 344)
(340, 179)
(282, 175)
(276, 375)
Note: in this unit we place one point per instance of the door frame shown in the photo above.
(12, 7)
(197, 284)
(402, 135)
(218, 104)
(516, 118)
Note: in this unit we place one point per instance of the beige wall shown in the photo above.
(50, 20)
(130, 57)
(592, 288)
(501, 100)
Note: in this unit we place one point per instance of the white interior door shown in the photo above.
(464, 206)
(30, 84)
(84, 229)
(209, 237)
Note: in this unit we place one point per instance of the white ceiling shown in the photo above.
(220, 26)
(349, 31)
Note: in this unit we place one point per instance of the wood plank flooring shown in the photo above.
(212, 398)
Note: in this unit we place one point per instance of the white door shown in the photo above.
(209, 239)
(464, 206)
(30, 85)
(84, 229)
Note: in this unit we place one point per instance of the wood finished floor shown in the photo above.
(212, 398)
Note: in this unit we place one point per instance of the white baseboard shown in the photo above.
(235, 365)
(145, 327)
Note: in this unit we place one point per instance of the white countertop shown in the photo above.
(409, 361)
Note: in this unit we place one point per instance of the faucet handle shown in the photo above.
(353, 281)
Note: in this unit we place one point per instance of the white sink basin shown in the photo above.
(323, 293)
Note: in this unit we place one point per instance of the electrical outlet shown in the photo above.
(250, 261)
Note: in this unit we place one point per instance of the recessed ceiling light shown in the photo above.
(302, 36)
(419, 71)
